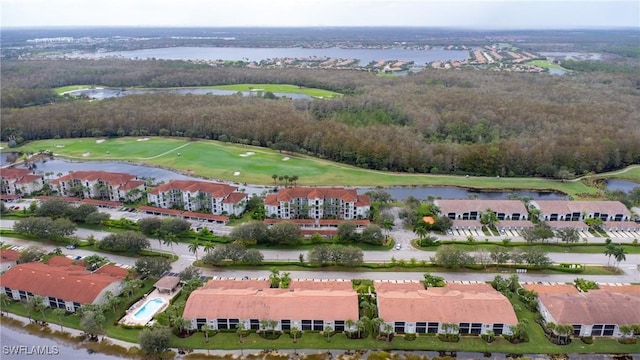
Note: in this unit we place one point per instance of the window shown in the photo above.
(576, 330)
(223, 324)
(200, 322)
(53, 302)
(608, 330)
(476, 328)
(498, 329)
(8, 292)
(233, 323)
(307, 325)
(596, 330)
(432, 328)
(421, 327)
(254, 324)
(603, 330)
(338, 325)
(285, 324)
(398, 327)
(318, 325)
(464, 328)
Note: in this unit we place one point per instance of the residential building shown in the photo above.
(476, 308)
(199, 196)
(103, 185)
(564, 210)
(20, 182)
(471, 209)
(62, 283)
(8, 258)
(594, 313)
(307, 305)
(317, 203)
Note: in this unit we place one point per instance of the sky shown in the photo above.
(471, 14)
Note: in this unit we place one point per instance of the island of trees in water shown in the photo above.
(453, 122)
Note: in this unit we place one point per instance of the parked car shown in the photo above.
(70, 247)
(398, 247)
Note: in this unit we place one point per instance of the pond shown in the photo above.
(624, 185)
(399, 193)
(106, 93)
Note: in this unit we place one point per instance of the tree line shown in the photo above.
(459, 122)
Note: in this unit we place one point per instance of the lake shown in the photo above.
(397, 192)
(105, 93)
(419, 57)
(624, 185)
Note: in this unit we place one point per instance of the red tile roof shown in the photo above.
(13, 173)
(216, 190)
(454, 303)
(288, 194)
(8, 255)
(563, 207)
(113, 271)
(9, 197)
(111, 178)
(29, 179)
(251, 299)
(593, 307)
(70, 283)
(234, 198)
(131, 185)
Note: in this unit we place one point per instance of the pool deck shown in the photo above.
(129, 319)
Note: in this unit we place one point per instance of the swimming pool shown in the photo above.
(148, 309)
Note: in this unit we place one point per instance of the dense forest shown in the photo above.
(436, 121)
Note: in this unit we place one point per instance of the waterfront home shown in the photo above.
(317, 203)
(474, 307)
(199, 196)
(564, 210)
(305, 304)
(103, 185)
(594, 313)
(62, 282)
(20, 182)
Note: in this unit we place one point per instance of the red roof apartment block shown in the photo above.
(60, 281)
(307, 305)
(112, 186)
(317, 203)
(19, 181)
(199, 196)
(563, 210)
(476, 308)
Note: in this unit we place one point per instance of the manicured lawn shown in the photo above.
(63, 89)
(280, 88)
(256, 165)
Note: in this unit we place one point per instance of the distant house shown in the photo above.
(475, 308)
(104, 185)
(8, 258)
(199, 196)
(20, 182)
(61, 282)
(593, 313)
(471, 209)
(317, 203)
(564, 210)
(307, 305)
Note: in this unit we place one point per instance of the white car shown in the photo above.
(398, 247)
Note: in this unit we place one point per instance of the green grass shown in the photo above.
(274, 88)
(281, 88)
(63, 89)
(257, 168)
(546, 64)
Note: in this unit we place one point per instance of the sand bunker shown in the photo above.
(285, 158)
(248, 153)
(100, 141)
(143, 139)
(59, 146)
(86, 154)
(236, 173)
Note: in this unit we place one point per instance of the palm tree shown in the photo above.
(626, 330)
(367, 308)
(4, 301)
(327, 331)
(274, 277)
(194, 247)
(388, 330)
(387, 224)
(285, 280)
(376, 322)
(294, 179)
(363, 325)
(620, 254)
(295, 332)
(240, 328)
(205, 330)
(59, 313)
(170, 239)
(609, 251)
(208, 246)
(286, 180)
(349, 325)
(275, 178)
(421, 231)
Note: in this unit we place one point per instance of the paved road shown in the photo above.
(407, 252)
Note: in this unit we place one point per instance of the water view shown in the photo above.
(419, 57)
(57, 166)
(102, 93)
